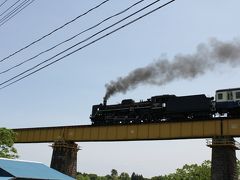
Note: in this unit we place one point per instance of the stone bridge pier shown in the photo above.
(64, 157)
(224, 161)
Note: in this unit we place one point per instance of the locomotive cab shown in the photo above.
(127, 101)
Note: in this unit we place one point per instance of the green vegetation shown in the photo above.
(114, 176)
(187, 172)
(7, 138)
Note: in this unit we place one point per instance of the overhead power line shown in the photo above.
(82, 47)
(55, 30)
(71, 38)
(9, 7)
(15, 11)
(3, 3)
(86, 39)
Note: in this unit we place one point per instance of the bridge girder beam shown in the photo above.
(133, 132)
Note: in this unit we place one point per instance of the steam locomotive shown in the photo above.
(168, 108)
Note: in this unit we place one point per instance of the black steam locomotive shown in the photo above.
(168, 108)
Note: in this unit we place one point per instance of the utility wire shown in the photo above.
(108, 18)
(69, 22)
(86, 39)
(82, 47)
(9, 8)
(19, 10)
(81, 42)
(14, 12)
(3, 3)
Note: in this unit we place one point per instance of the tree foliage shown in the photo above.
(187, 172)
(7, 138)
(124, 176)
(238, 167)
(136, 176)
(112, 176)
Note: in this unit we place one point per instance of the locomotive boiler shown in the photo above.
(168, 108)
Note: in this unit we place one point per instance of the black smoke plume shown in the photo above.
(163, 71)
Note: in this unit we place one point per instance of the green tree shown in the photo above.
(238, 167)
(190, 172)
(7, 138)
(124, 176)
(159, 178)
(82, 177)
(114, 174)
(108, 177)
(85, 176)
(93, 176)
(195, 172)
(136, 176)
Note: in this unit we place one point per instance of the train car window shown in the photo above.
(220, 96)
(230, 96)
(238, 95)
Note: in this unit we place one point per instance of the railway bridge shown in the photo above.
(221, 132)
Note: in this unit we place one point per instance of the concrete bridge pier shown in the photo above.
(224, 161)
(64, 157)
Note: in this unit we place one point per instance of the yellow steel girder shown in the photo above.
(133, 132)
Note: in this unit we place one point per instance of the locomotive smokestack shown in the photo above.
(105, 101)
(188, 66)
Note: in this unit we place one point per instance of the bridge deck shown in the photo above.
(133, 132)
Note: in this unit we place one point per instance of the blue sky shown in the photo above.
(63, 93)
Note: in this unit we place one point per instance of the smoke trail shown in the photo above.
(163, 71)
